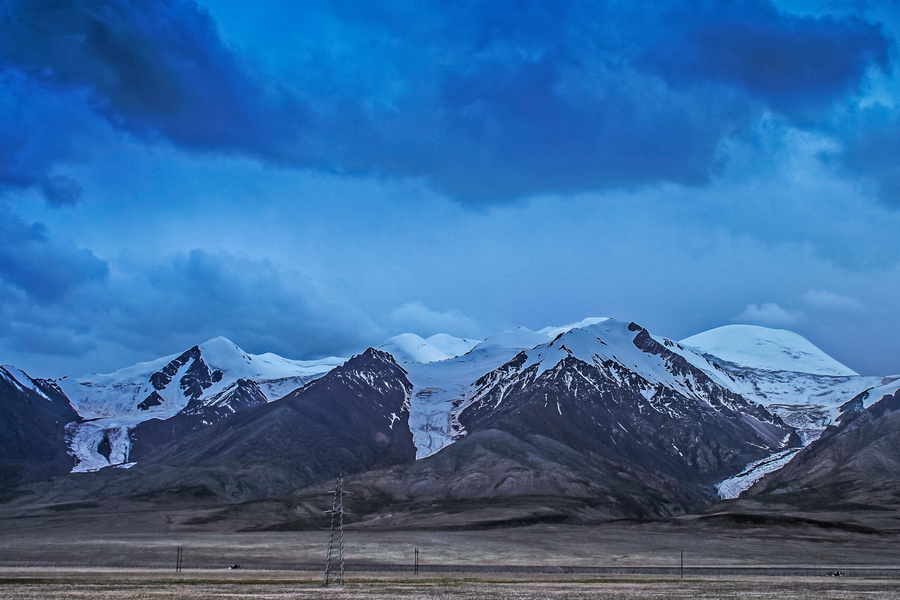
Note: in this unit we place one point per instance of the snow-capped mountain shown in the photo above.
(211, 379)
(599, 414)
(783, 371)
(683, 412)
(352, 419)
(870, 396)
(439, 386)
(595, 421)
(761, 348)
(443, 390)
(615, 383)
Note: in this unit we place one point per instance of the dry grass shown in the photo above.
(143, 540)
(47, 544)
(105, 584)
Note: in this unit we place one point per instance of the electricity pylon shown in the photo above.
(337, 523)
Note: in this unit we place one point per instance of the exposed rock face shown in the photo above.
(196, 379)
(149, 435)
(33, 418)
(154, 399)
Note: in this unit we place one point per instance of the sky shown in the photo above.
(312, 177)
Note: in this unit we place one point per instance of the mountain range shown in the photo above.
(592, 421)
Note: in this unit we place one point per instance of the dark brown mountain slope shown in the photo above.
(33, 416)
(854, 466)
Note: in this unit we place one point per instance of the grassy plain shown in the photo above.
(87, 554)
(149, 539)
(105, 584)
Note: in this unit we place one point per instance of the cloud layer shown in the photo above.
(488, 100)
(312, 177)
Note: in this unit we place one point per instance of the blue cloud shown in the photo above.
(503, 99)
(152, 67)
(60, 190)
(489, 100)
(796, 65)
(871, 139)
(40, 128)
(199, 295)
(45, 270)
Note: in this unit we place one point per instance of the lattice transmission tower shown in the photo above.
(337, 524)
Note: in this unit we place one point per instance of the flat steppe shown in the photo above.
(89, 554)
(114, 584)
(149, 539)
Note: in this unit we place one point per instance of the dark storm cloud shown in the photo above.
(796, 65)
(489, 100)
(145, 311)
(150, 67)
(508, 98)
(872, 145)
(200, 295)
(47, 271)
(39, 128)
(60, 190)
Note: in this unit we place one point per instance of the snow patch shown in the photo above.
(753, 472)
(442, 389)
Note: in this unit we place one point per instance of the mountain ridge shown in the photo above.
(596, 400)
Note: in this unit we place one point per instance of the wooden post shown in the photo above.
(682, 564)
(416, 570)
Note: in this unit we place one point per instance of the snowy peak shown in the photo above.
(862, 401)
(622, 352)
(611, 385)
(197, 377)
(444, 389)
(23, 381)
(552, 332)
(33, 420)
(782, 370)
(371, 382)
(163, 387)
(767, 349)
(411, 348)
(450, 345)
(501, 343)
(216, 375)
(627, 345)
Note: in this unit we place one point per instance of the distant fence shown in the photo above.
(707, 571)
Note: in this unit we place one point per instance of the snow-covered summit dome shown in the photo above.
(770, 349)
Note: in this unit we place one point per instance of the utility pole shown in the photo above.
(682, 564)
(416, 571)
(337, 523)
